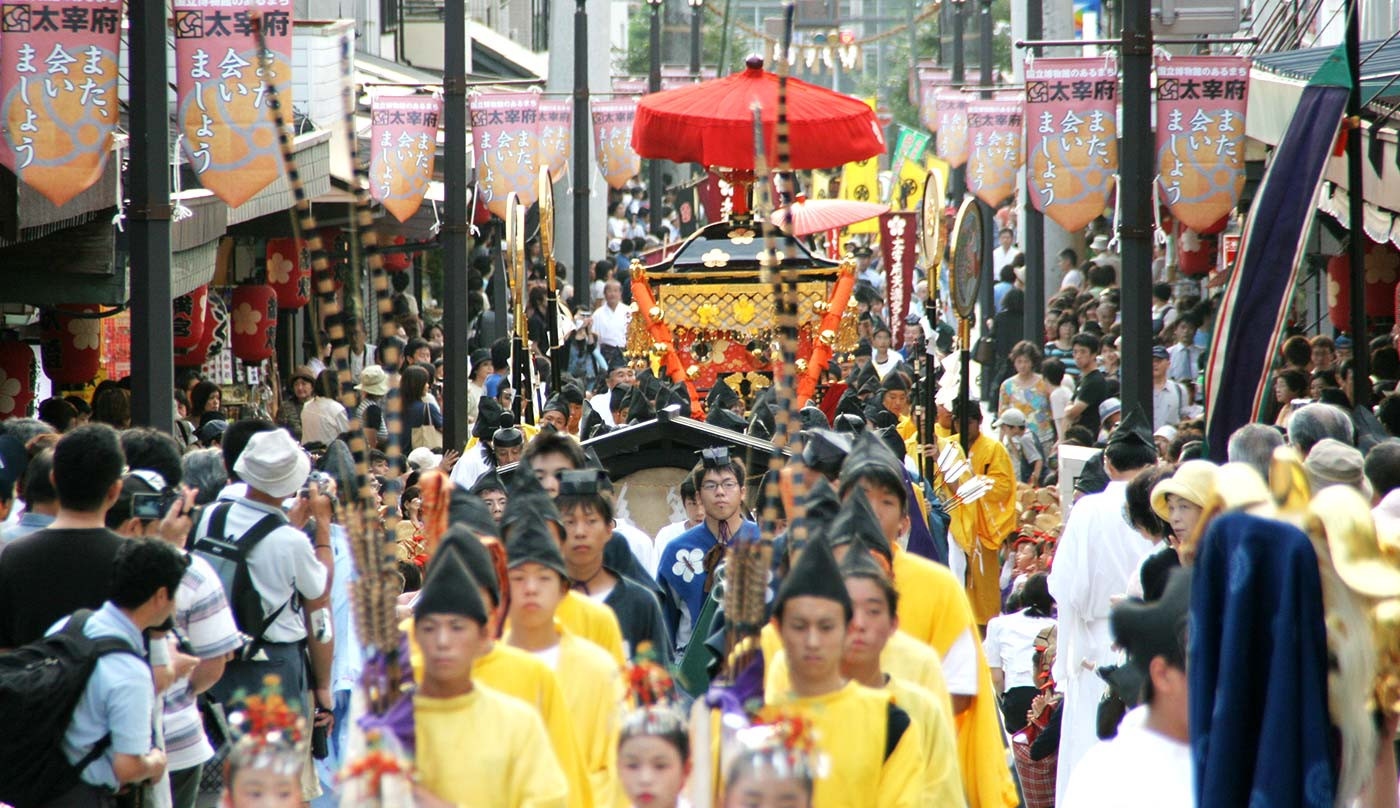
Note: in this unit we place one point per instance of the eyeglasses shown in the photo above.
(727, 485)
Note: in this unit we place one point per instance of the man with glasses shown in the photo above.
(688, 561)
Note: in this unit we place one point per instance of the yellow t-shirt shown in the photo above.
(942, 777)
(510, 764)
(851, 725)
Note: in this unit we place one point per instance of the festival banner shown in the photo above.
(229, 138)
(930, 81)
(403, 142)
(898, 234)
(59, 71)
(717, 198)
(556, 135)
(994, 127)
(909, 146)
(952, 127)
(504, 129)
(612, 137)
(861, 181)
(907, 191)
(1072, 137)
(1200, 135)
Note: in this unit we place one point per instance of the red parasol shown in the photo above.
(711, 123)
(807, 216)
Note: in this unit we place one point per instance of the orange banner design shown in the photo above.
(612, 136)
(403, 142)
(1201, 104)
(1071, 137)
(952, 127)
(504, 126)
(229, 138)
(60, 89)
(995, 130)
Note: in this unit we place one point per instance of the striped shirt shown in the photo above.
(204, 619)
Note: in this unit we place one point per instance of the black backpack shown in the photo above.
(40, 685)
(228, 555)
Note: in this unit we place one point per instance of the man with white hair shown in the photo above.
(1314, 422)
(1254, 444)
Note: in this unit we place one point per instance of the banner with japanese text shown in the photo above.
(899, 232)
(909, 146)
(717, 198)
(930, 83)
(907, 190)
(952, 127)
(1071, 137)
(228, 135)
(612, 137)
(556, 135)
(861, 181)
(504, 143)
(59, 71)
(1200, 135)
(925, 67)
(994, 129)
(403, 143)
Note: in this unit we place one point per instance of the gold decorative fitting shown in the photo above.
(632, 307)
(821, 307)
(661, 347)
(656, 314)
(744, 310)
(692, 372)
(851, 303)
(848, 266)
(801, 365)
(827, 336)
(715, 258)
(639, 364)
(741, 235)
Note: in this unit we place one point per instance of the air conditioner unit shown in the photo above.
(1192, 17)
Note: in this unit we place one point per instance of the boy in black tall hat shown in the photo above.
(586, 504)
(450, 628)
(619, 372)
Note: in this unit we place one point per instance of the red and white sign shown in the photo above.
(899, 232)
(1200, 135)
(1071, 137)
(556, 135)
(403, 143)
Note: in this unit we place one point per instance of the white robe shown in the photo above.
(1097, 555)
(1137, 769)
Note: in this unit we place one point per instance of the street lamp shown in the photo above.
(697, 8)
(654, 85)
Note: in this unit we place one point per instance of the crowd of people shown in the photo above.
(925, 608)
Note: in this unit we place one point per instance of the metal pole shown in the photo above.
(986, 298)
(1034, 248)
(1356, 243)
(456, 313)
(957, 178)
(153, 364)
(697, 7)
(582, 169)
(1135, 205)
(654, 86)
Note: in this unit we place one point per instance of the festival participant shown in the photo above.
(492, 493)
(453, 713)
(270, 748)
(994, 516)
(883, 358)
(1009, 647)
(935, 609)
(539, 581)
(686, 562)
(876, 756)
(694, 514)
(619, 373)
(874, 623)
(587, 508)
(777, 766)
(1095, 560)
(1148, 763)
(653, 747)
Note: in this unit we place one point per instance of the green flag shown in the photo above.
(909, 144)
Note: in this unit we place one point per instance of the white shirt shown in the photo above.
(1010, 645)
(1002, 257)
(1060, 398)
(1185, 361)
(322, 421)
(281, 564)
(647, 552)
(203, 617)
(359, 360)
(610, 324)
(1139, 768)
(1072, 279)
(884, 368)
(1386, 513)
(1167, 403)
(1097, 556)
(674, 529)
(602, 404)
(470, 468)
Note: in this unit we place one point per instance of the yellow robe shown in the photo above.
(995, 515)
(909, 660)
(851, 728)
(593, 691)
(934, 720)
(928, 594)
(593, 621)
(486, 750)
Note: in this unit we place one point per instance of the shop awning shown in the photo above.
(1276, 81)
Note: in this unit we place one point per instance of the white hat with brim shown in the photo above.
(374, 381)
(1193, 481)
(424, 458)
(273, 463)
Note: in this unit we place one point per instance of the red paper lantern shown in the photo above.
(397, 261)
(253, 314)
(71, 345)
(189, 311)
(289, 271)
(1218, 227)
(1382, 274)
(1196, 253)
(19, 373)
(197, 354)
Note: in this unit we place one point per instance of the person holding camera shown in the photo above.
(276, 576)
